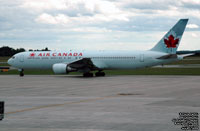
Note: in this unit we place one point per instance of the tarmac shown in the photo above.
(111, 103)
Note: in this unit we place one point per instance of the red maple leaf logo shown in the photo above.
(171, 42)
(32, 54)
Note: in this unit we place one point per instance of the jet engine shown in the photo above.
(62, 68)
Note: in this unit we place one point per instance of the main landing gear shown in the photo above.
(97, 74)
(87, 74)
(21, 72)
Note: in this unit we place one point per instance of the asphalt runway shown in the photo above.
(112, 103)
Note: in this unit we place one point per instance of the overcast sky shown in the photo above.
(96, 24)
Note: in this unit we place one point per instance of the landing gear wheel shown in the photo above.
(97, 74)
(21, 73)
(103, 74)
(88, 74)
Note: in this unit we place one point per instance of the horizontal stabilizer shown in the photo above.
(185, 55)
(169, 56)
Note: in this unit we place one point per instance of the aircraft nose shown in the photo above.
(9, 61)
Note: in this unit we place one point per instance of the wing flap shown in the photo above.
(84, 63)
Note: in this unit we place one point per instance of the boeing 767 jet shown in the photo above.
(64, 62)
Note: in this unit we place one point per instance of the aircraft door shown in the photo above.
(141, 57)
(21, 59)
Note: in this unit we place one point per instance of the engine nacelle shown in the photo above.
(62, 68)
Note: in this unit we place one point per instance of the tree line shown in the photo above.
(9, 51)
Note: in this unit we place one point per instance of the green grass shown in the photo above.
(29, 72)
(4, 64)
(192, 57)
(4, 59)
(156, 71)
(146, 71)
(185, 61)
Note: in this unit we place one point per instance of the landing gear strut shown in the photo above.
(88, 74)
(21, 72)
(99, 73)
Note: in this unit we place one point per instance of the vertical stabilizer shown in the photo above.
(170, 42)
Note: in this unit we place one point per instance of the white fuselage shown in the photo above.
(101, 59)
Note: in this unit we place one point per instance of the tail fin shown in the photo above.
(170, 42)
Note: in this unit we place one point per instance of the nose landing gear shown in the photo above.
(21, 72)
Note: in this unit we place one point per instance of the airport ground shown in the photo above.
(124, 100)
(112, 103)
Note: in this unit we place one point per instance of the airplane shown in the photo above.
(86, 61)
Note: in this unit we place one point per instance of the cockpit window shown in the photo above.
(13, 57)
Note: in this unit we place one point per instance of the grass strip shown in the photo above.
(146, 71)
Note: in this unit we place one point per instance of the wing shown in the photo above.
(84, 64)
